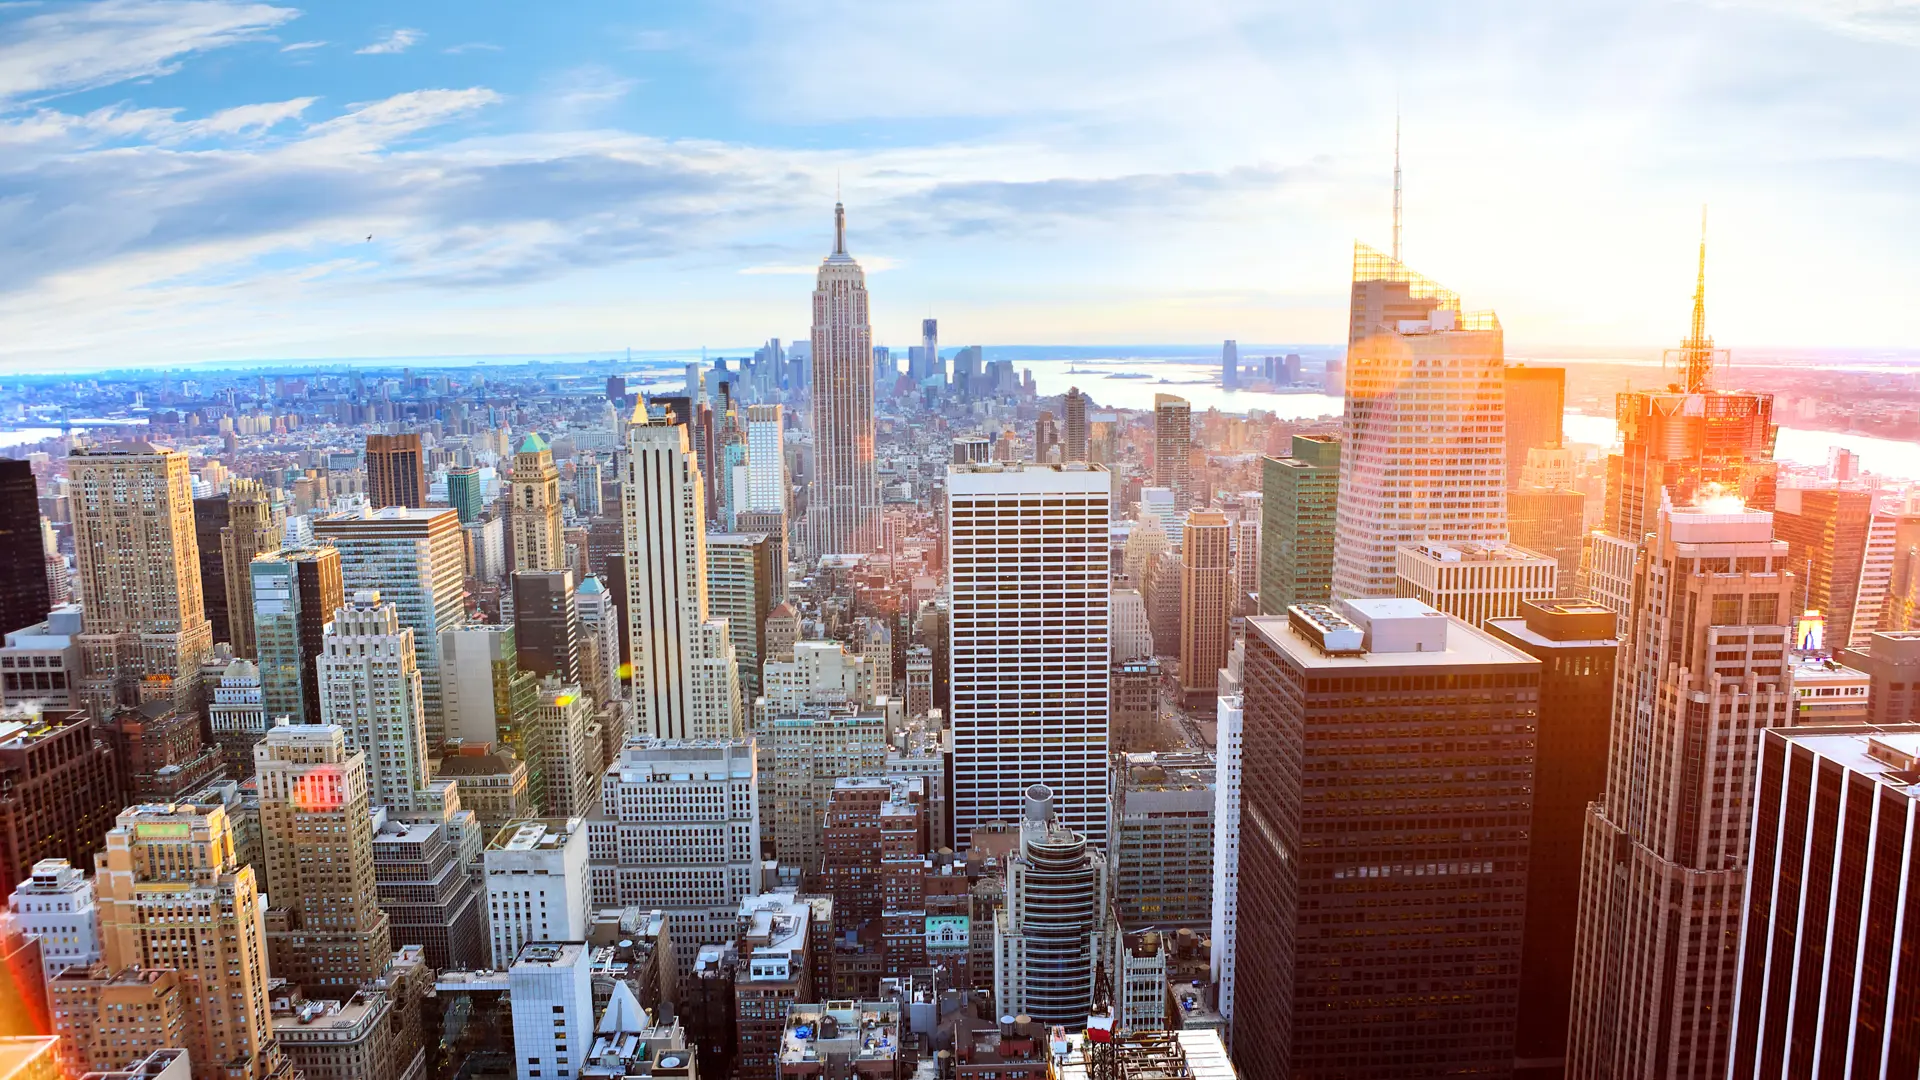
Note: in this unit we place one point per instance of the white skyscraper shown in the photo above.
(1028, 652)
(667, 590)
(370, 686)
(843, 507)
(551, 986)
(536, 884)
(766, 459)
(1227, 776)
(1424, 452)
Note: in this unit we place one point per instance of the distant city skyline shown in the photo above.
(215, 181)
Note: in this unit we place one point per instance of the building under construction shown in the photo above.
(1152, 1055)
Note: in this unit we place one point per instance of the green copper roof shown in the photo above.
(533, 444)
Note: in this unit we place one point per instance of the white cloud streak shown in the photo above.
(398, 41)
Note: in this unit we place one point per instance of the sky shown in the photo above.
(194, 180)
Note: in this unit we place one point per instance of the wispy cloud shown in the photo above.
(302, 46)
(91, 45)
(472, 46)
(398, 41)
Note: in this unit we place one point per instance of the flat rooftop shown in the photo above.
(1466, 645)
(1889, 756)
(545, 834)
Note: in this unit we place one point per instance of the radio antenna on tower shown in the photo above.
(1396, 185)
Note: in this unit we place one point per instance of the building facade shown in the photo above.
(1028, 651)
(1299, 496)
(1387, 763)
(1703, 676)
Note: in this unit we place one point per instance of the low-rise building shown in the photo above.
(776, 932)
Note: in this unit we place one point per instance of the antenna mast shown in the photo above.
(1396, 186)
(1697, 351)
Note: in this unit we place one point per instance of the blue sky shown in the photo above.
(196, 180)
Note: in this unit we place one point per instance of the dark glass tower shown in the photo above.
(24, 597)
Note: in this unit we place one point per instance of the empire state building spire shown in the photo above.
(839, 229)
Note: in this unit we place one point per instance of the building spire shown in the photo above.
(1396, 185)
(1697, 350)
(839, 229)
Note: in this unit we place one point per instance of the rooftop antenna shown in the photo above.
(1697, 350)
(1396, 185)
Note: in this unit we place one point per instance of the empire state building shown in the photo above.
(843, 506)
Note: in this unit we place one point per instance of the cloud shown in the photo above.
(472, 46)
(302, 46)
(374, 125)
(397, 42)
(91, 45)
(793, 270)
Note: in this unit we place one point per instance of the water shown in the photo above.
(1886, 457)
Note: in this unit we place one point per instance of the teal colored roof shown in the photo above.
(533, 444)
(591, 587)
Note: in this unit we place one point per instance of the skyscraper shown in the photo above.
(59, 791)
(209, 522)
(1826, 533)
(667, 583)
(1299, 495)
(1206, 576)
(254, 524)
(1074, 439)
(1028, 655)
(546, 624)
(133, 537)
(1337, 829)
(463, 492)
(1423, 454)
(1678, 440)
(173, 896)
(1536, 404)
(843, 506)
(740, 578)
(396, 471)
(325, 929)
(537, 543)
(1574, 642)
(930, 351)
(1827, 960)
(1230, 365)
(24, 594)
(295, 593)
(370, 688)
(1666, 846)
(414, 559)
(1173, 447)
(1047, 937)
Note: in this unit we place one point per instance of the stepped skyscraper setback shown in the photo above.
(843, 507)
